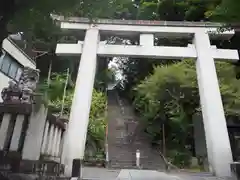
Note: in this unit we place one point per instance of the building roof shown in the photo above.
(19, 45)
(138, 22)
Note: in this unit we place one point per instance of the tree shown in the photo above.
(170, 96)
(135, 70)
(33, 17)
(40, 33)
(97, 117)
(227, 11)
(190, 10)
(21, 16)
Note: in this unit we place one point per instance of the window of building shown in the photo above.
(10, 67)
(13, 70)
(6, 64)
(19, 73)
(1, 58)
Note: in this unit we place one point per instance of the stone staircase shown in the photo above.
(125, 137)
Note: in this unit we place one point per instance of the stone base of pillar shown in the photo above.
(49, 158)
(235, 169)
(76, 168)
(12, 163)
(42, 168)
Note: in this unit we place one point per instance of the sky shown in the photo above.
(114, 64)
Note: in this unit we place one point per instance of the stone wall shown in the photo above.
(31, 140)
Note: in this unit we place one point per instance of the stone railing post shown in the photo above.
(34, 135)
(17, 133)
(45, 137)
(4, 129)
(59, 135)
(50, 141)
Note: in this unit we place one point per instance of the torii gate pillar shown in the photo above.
(217, 139)
(81, 104)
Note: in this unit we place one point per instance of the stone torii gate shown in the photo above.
(217, 140)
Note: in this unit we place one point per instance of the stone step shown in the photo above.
(122, 165)
(122, 145)
(132, 163)
(133, 166)
(122, 159)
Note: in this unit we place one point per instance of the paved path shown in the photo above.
(92, 173)
(197, 176)
(126, 174)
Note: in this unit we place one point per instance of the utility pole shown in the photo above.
(64, 92)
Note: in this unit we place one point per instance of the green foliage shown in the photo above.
(97, 118)
(56, 85)
(170, 96)
(32, 17)
(28, 13)
(97, 124)
(136, 70)
(173, 10)
(181, 159)
(147, 10)
(172, 87)
(53, 91)
(103, 78)
(227, 11)
(167, 94)
(191, 10)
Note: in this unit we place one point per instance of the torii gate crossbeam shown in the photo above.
(217, 140)
(163, 52)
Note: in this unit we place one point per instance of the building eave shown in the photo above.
(21, 51)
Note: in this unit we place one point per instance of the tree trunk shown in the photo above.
(163, 140)
(7, 9)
